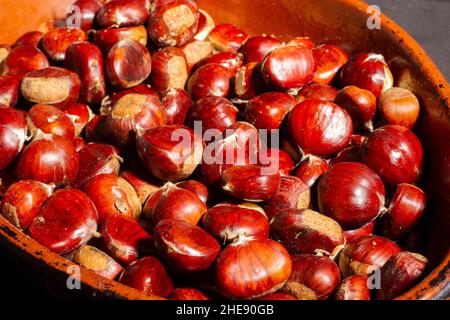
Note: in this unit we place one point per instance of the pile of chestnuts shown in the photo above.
(92, 166)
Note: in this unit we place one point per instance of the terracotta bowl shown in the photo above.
(336, 21)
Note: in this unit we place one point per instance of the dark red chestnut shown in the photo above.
(288, 67)
(96, 260)
(67, 221)
(366, 254)
(95, 130)
(45, 119)
(229, 60)
(353, 288)
(350, 154)
(395, 153)
(197, 188)
(227, 37)
(170, 153)
(312, 277)
(184, 246)
(256, 48)
(209, 80)
(169, 69)
(142, 183)
(50, 159)
(367, 71)
(273, 157)
(24, 59)
(87, 10)
(366, 229)
(213, 113)
(177, 103)
(195, 51)
(252, 268)
(80, 115)
(122, 13)
(13, 133)
(351, 193)
(329, 60)
(249, 81)
(23, 200)
(188, 294)
(311, 169)
(318, 91)
(31, 38)
(399, 106)
(55, 42)
(319, 127)
(148, 275)
(9, 90)
(105, 39)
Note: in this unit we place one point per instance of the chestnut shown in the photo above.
(13, 134)
(350, 154)
(121, 13)
(361, 104)
(288, 67)
(400, 273)
(311, 169)
(176, 103)
(184, 246)
(113, 195)
(51, 85)
(395, 153)
(50, 159)
(9, 90)
(205, 25)
(231, 61)
(329, 59)
(252, 268)
(227, 37)
(169, 69)
(173, 24)
(312, 278)
(367, 71)
(23, 200)
(307, 231)
(249, 81)
(80, 115)
(87, 9)
(31, 38)
(268, 110)
(49, 120)
(366, 229)
(24, 59)
(105, 39)
(351, 193)
(251, 182)
(55, 42)
(125, 239)
(188, 294)
(209, 80)
(111, 100)
(95, 129)
(143, 184)
(195, 51)
(399, 106)
(96, 260)
(293, 194)
(148, 275)
(170, 153)
(127, 64)
(256, 48)
(319, 127)
(86, 59)
(366, 254)
(197, 188)
(213, 113)
(405, 209)
(95, 159)
(272, 157)
(67, 221)
(228, 223)
(318, 91)
(353, 288)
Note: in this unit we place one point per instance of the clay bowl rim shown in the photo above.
(433, 286)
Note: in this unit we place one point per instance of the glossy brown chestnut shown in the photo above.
(127, 64)
(367, 71)
(318, 91)
(148, 275)
(213, 113)
(209, 80)
(51, 85)
(49, 120)
(96, 260)
(188, 294)
(353, 288)
(227, 37)
(366, 229)
(205, 25)
(251, 182)
(311, 169)
(351, 193)
(307, 231)
(9, 90)
(86, 59)
(55, 42)
(229, 60)
(142, 183)
(195, 51)
(95, 130)
(249, 81)
(361, 105)
(257, 47)
(31, 38)
(177, 103)
(184, 246)
(86, 10)
(105, 39)
(227, 223)
(395, 153)
(169, 69)
(319, 127)
(400, 273)
(273, 157)
(80, 115)
(122, 13)
(288, 67)
(67, 221)
(407, 206)
(95, 159)
(251, 268)
(293, 194)
(23, 200)
(197, 188)
(312, 278)
(268, 110)
(170, 153)
(24, 59)
(50, 159)
(13, 133)
(350, 154)
(366, 254)
(125, 239)
(399, 106)
(173, 24)
(329, 59)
